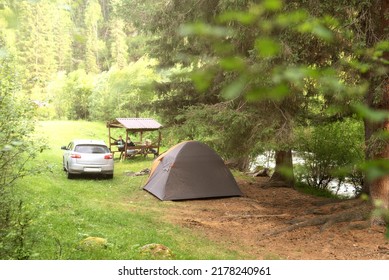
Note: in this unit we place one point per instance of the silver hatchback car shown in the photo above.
(87, 157)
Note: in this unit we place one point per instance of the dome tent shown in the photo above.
(190, 170)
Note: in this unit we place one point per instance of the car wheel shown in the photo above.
(109, 176)
(70, 175)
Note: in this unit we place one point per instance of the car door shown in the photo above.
(67, 153)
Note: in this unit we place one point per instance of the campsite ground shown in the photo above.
(66, 211)
(267, 222)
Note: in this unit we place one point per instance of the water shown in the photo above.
(266, 160)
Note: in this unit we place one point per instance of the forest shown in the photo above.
(302, 78)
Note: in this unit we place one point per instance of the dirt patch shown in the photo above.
(281, 223)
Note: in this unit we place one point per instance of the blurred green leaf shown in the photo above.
(360, 66)
(331, 21)
(267, 47)
(78, 37)
(375, 169)
(234, 89)
(381, 48)
(242, 17)
(202, 80)
(369, 114)
(295, 17)
(272, 5)
(232, 63)
(317, 29)
(201, 28)
(273, 93)
(294, 74)
(322, 32)
(223, 48)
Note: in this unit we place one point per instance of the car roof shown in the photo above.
(88, 141)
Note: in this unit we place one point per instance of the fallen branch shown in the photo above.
(255, 216)
(360, 214)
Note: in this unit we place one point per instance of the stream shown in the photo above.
(266, 160)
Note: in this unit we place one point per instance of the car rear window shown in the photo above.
(91, 149)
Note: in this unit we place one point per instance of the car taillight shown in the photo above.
(108, 156)
(75, 156)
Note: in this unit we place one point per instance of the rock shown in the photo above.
(91, 243)
(145, 171)
(156, 251)
(265, 172)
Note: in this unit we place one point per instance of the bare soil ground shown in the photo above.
(281, 223)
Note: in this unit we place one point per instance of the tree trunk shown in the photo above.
(379, 188)
(241, 164)
(377, 97)
(283, 173)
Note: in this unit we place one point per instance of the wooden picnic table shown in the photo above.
(138, 149)
(135, 126)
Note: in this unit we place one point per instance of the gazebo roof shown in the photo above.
(135, 124)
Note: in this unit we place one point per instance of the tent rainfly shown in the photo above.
(190, 170)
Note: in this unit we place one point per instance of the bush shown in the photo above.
(331, 153)
(16, 150)
(301, 187)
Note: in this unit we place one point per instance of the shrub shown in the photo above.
(16, 150)
(331, 153)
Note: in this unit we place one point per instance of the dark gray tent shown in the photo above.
(190, 170)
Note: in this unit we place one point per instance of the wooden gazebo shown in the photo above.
(133, 126)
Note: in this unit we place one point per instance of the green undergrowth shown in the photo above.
(304, 188)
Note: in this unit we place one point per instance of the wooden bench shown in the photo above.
(141, 149)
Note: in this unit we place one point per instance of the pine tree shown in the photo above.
(92, 18)
(63, 36)
(36, 45)
(118, 43)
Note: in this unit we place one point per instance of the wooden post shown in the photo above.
(125, 145)
(109, 135)
(159, 140)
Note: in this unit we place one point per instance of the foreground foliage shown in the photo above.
(17, 149)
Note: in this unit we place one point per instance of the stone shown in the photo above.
(156, 251)
(91, 243)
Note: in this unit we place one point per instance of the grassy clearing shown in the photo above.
(64, 212)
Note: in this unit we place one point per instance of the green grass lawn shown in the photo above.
(64, 212)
